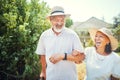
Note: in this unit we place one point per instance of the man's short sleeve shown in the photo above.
(40, 46)
(77, 45)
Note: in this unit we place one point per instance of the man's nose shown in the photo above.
(59, 23)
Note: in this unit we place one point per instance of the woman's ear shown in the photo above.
(107, 43)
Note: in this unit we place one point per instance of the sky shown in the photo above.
(82, 10)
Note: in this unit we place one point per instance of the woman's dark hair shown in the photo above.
(108, 48)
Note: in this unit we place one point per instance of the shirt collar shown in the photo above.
(60, 33)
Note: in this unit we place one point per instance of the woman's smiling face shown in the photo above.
(101, 40)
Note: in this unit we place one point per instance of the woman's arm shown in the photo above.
(113, 78)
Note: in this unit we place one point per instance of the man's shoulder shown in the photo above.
(46, 32)
(70, 31)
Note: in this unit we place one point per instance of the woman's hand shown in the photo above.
(79, 57)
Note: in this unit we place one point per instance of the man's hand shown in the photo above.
(43, 63)
(56, 58)
(43, 75)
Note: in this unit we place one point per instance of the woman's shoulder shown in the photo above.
(89, 48)
(115, 56)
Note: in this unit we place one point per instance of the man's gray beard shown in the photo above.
(57, 29)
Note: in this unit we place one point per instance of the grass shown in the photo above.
(81, 70)
(118, 53)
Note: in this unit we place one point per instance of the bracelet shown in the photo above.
(65, 58)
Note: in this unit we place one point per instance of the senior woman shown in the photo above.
(101, 60)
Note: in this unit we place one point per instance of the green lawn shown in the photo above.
(119, 53)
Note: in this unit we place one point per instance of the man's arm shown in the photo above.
(75, 56)
(43, 64)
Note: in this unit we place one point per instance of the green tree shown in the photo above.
(21, 24)
(117, 29)
(69, 22)
(117, 21)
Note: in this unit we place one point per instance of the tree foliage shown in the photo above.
(69, 22)
(21, 24)
(117, 21)
(117, 29)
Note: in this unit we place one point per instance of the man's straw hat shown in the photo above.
(57, 10)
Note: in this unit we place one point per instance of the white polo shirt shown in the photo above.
(101, 67)
(65, 42)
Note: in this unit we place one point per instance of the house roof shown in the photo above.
(90, 23)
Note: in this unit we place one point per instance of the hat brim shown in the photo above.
(58, 14)
(113, 40)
